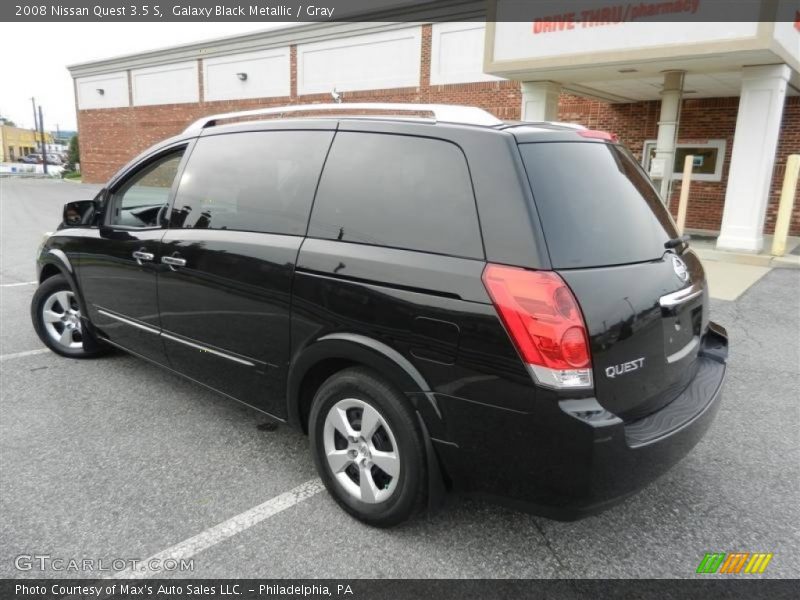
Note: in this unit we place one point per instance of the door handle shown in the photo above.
(142, 256)
(173, 261)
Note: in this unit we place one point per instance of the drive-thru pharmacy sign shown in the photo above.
(612, 14)
(576, 41)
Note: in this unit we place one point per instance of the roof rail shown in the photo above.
(576, 126)
(564, 124)
(447, 113)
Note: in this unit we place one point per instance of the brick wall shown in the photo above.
(111, 137)
(701, 120)
(789, 143)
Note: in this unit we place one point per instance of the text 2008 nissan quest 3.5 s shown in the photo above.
(440, 300)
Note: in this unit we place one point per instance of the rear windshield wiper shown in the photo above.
(677, 241)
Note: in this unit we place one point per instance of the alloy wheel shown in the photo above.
(361, 451)
(61, 318)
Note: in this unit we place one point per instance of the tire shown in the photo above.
(395, 489)
(57, 320)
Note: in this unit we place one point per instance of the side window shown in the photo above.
(397, 191)
(144, 195)
(260, 181)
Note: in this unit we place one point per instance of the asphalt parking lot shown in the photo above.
(115, 458)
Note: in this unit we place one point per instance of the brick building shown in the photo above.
(125, 104)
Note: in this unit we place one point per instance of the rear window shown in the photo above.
(397, 191)
(597, 206)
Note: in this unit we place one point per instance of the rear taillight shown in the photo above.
(545, 323)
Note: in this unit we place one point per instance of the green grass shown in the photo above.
(72, 175)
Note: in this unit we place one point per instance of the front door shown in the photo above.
(119, 270)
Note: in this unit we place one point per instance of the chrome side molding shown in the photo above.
(173, 338)
(201, 348)
(141, 326)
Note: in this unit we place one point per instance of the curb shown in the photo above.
(788, 261)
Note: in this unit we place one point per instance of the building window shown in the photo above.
(708, 159)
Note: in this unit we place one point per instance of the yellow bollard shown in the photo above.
(788, 194)
(686, 182)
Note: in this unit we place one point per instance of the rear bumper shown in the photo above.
(576, 459)
(627, 457)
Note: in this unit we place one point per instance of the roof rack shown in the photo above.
(447, 113)
(564, 124)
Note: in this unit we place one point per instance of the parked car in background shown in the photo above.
(451, 303)
(55, 159)
(32, 159)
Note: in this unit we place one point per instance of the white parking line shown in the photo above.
(2, 285)
(210, 537)
(4, 357)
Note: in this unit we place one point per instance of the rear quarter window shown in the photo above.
(596, 205)
(397, 191)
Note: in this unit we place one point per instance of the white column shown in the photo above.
(540, 100)
(754, 145)
(668, 122)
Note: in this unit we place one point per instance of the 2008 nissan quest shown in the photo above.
(442, 303)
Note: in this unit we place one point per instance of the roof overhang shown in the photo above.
(384, 15)
(598, 60)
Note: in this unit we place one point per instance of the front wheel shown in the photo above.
(56, 317)
(368, 448)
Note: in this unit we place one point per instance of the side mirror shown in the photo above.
(79, 213)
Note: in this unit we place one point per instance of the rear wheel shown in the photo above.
(368, 448)
(56, 317)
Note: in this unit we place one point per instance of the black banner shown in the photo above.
(287, 11)
(396, 589)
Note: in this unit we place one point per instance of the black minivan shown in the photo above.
(440, 300)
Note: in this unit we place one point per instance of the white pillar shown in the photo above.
(754, 145)
(540, 100)
(668, 122)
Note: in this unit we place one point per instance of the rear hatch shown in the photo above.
(645, 306)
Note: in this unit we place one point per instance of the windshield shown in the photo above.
(597, 206)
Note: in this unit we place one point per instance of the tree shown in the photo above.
(73, 153)
(9, 122)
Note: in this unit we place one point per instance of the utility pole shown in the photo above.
(35, 126)
(44, 145)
